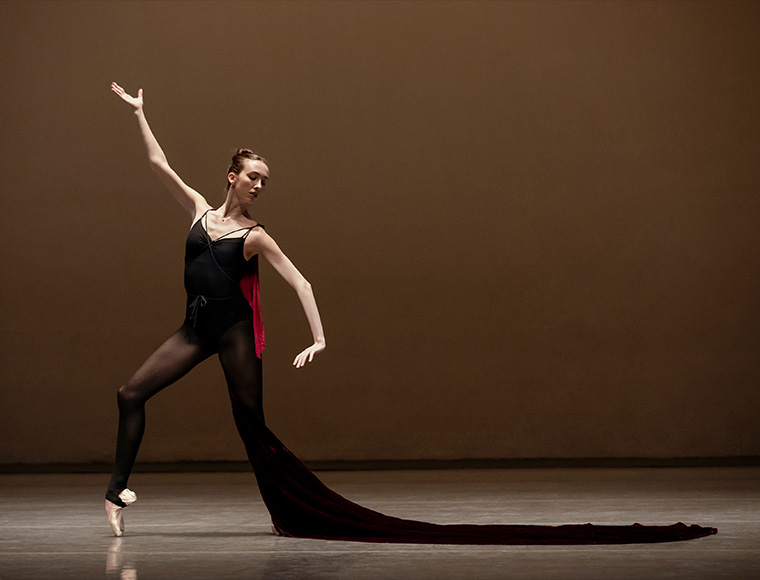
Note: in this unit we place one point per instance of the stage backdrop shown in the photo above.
(531, 227)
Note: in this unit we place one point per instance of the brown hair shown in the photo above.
(237, 162)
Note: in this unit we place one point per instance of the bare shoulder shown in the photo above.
(258, 242)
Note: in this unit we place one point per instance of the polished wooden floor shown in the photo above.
(213, 525)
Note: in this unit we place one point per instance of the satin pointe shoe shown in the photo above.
(276, 531)
(115, 518)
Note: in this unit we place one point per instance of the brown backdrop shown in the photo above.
(531, 227)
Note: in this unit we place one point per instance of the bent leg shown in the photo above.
(171, 361)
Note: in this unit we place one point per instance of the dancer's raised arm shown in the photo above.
(190, 199)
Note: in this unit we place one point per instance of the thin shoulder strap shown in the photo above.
(200, 219)
(228, 233)
(250, 229)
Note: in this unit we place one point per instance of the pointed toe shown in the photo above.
(116, 521)
(115, 517)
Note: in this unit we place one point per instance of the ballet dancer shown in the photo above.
(223, 317)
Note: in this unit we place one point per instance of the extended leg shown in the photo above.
(172, 360)
(242, 369)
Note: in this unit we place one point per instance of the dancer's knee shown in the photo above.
(129, 396)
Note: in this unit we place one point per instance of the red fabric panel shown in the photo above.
(249, 284)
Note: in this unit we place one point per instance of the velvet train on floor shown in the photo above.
(301, 506)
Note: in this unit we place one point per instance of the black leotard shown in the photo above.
(213, 272)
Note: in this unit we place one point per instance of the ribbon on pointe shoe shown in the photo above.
(128, 496)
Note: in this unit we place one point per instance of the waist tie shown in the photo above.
(199, 301)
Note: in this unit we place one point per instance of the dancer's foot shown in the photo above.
(115, 518)
(275, 531)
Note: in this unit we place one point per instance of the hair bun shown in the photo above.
(238, 159)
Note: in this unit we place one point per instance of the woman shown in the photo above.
(221, 279)
(223, 245)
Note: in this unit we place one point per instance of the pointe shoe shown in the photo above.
(115, 519)
(275, 531)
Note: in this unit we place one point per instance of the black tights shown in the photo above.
(170, 362)
(302, 506)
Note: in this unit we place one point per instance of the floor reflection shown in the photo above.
(115, 563)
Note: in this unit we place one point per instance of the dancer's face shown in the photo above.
(250, 181)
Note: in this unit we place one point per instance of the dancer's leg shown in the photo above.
(172, 360)
(242, 369)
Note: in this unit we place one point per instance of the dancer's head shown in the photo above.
(247, 175)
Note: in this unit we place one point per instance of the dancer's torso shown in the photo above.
(213, 270)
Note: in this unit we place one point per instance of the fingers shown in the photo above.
(298, 362)
(126, 96)
(302, 359)
(307, 355)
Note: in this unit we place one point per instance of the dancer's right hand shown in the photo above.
(135, 102)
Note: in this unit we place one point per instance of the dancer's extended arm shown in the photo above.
(190, 199)
(261, 242)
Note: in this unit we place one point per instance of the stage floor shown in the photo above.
(213, 525)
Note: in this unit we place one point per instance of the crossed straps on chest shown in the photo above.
(199, 300)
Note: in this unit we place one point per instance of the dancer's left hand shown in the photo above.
(308, 354)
